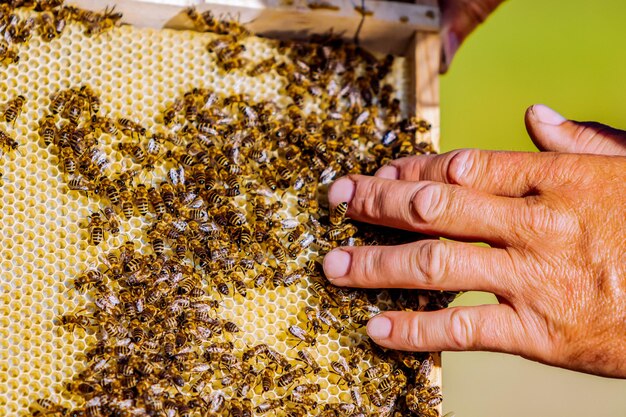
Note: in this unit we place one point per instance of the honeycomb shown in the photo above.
(44, 242)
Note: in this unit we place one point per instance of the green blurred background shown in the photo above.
(569, 55)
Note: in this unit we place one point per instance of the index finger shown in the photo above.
(506, 174)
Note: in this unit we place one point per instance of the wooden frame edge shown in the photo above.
(424, 57)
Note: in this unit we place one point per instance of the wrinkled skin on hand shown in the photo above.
(556, 224)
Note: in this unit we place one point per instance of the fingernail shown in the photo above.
(450, 46)
(546, 115)
(379, 327)
(388, 172)
(337, 264)
(341, 190)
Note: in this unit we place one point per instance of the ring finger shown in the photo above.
(426, 264)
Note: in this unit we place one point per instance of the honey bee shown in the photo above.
(239, 286)
(110, 189)
(114, 265)
(156, 201)
(135, 150)
(241, 408)
(126, 200)
(113, 220)
(262, 67)
(79, 183)
(306, 389)
(355, 394)
(341, 232)
(276, 249)
(302, 400)
(294, 234)
(231, 327)
(196, 19)
(269, 405)
(202, 382)
(308, 203)
(397, 379)
(97, 23)
(91, 99)
(75, 320)
(74, 110)
(13, 109)
(19, 31)
(247, 383)
(290, 377)
(216, 403)
(233, 64)
(330, 173)
(157, 242)
(260, 280)
(312, 320)
(303, 243)
(293, 277)
(7, 143)
(87, 280)
(378, 371)
(60, 101)
(170, 114)
(342, 369)
(131, 128)
(255, 351)
(67, 159)
(374, 395)
(141, 199)
(329, 319)
(8, 53)
(167, 194)
(337, 214)
(301, 335)
(47, 26)
(46, 407)
(306, 357)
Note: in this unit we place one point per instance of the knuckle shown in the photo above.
(539, 218)
(411, 333)
(542, 220)
(428, 203)
(430, 263)
(369, 266)
(460, 167)
(461, 330)
(368, 199)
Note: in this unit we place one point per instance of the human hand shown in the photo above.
(460, 18)
(557, 261)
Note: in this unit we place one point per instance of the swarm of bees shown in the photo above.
(222, 223)
(48, 19)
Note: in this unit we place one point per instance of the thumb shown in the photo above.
(460, 18)
(552, 132)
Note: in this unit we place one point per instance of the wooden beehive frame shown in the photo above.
(404, 29)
